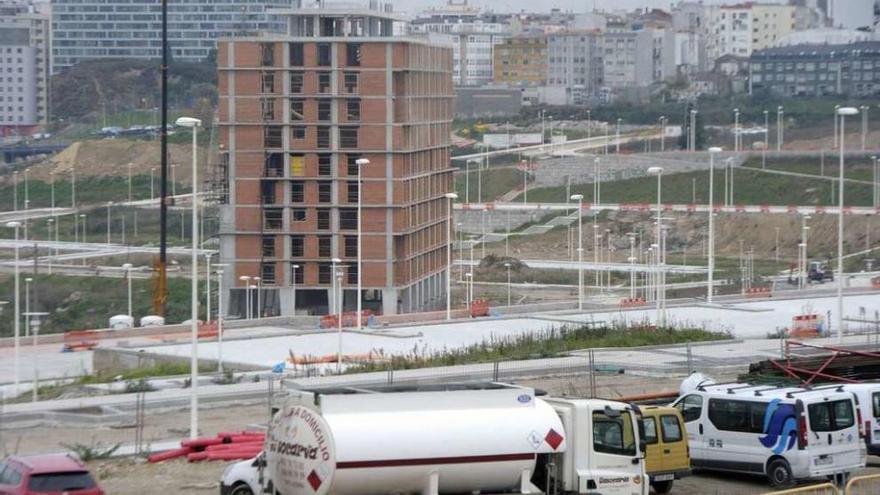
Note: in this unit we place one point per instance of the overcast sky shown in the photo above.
(574, 5)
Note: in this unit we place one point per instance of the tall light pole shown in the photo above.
(33, 322)
(152, 174)
(17, 326)
(361, 163)
(780, 128)
(27, 303)
(127, 268)
(73, 186)
(843, 112)
(208, 286)
(15, 190)
(693, 130)
(876, 190)
(451, 197)
(220, 318)
(712, 152)
(864, 109)
(766, 139)
(109, 204)
(736, 130)
(507, 265)
(337, 297)
(836, 122)
(658, 171)
(580, 201)
(617, 137)
(632, 261)
(258, 285)
(83, 218)
(804, 260)
(194, 124)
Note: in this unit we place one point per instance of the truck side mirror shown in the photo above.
(643, 446)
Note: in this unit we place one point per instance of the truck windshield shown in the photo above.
(831, 416)
(614, 435)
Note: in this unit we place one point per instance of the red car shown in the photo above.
(54, 474)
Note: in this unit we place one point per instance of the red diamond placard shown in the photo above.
(553, 439)
(314, 480)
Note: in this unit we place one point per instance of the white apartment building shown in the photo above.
(25, 64)
(574, 62)
(740, 29)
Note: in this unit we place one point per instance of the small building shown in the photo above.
(521, 60)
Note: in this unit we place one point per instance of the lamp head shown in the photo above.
(188, 122)
(577, 197)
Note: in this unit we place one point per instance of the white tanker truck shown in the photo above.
(449, 439)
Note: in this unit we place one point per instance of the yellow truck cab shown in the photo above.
(667, 457)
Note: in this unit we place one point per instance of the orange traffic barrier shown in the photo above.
(479, 307)
(80, 340)
(755, 292)
(629, 302)
(875, 283)
(208, 330)
(349, 319)
(806, 326)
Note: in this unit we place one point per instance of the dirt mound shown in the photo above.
(110, 157)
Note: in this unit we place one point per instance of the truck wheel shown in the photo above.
(779, 473)
(662, 487)
(241, 489)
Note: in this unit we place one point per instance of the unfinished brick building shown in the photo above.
(297, 112)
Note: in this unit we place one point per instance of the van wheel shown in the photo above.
(241, 489)
(779, 473)
(662, 487)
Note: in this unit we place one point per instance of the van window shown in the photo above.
(831, 416)
(691, 407)
(671, 428)
(613, 435)
(650, 427)
(737, 415)
(876, 400)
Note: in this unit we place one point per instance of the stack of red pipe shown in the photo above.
(226, 446)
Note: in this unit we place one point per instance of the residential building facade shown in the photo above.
(817, 70)
(521, 60)
(25, 65)
(98, 29)
(297, 113)
(575, 63)
(742, 28)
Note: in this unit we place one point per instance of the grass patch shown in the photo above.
(750, 187)
(496, 182)
(553, 342)
(89, 191)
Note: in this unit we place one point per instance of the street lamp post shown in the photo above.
(780, 115)
(836, 122)
(109, 204)
(337, 297)
(712, 152)
(632, 260)
(736, 130)
(617, 137)
(208, 286)
(843, 112)
(451, 197)
(658, 171)
(17, 335)
(361, 163)
(152, 174)
(580, 249)
(662, 133)
(15, 190)
(27, 303)
(83, 218)
(876, 190)
(127, 267)
(864, 109)
(507, 265)
(802, 267)
(220, 318)
(766, 139)
(194, 124)
(33, 320)
(258, 312)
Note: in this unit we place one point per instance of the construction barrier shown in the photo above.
(823, 489)
(349, 319)
(479, 307)
(875, 283)
(756, 292)
(629, 302)
(806, 326)
(863, 485)
(208, 330)
(80, 340)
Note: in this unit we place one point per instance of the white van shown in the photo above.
(868, 395)
(787, 434)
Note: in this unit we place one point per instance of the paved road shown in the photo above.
(589, 265)
(680, 208)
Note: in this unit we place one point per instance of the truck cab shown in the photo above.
(605, 453)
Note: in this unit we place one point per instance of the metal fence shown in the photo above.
(823, 489)
(863, 485)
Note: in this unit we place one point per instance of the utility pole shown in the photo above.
(160, 287)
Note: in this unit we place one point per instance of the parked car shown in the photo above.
(868, 395)
(242, 478)
(667, 457)
(785, 433)
(53, 474)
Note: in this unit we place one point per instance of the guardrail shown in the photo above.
(863, 485)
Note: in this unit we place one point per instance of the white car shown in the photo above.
(242, 478)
